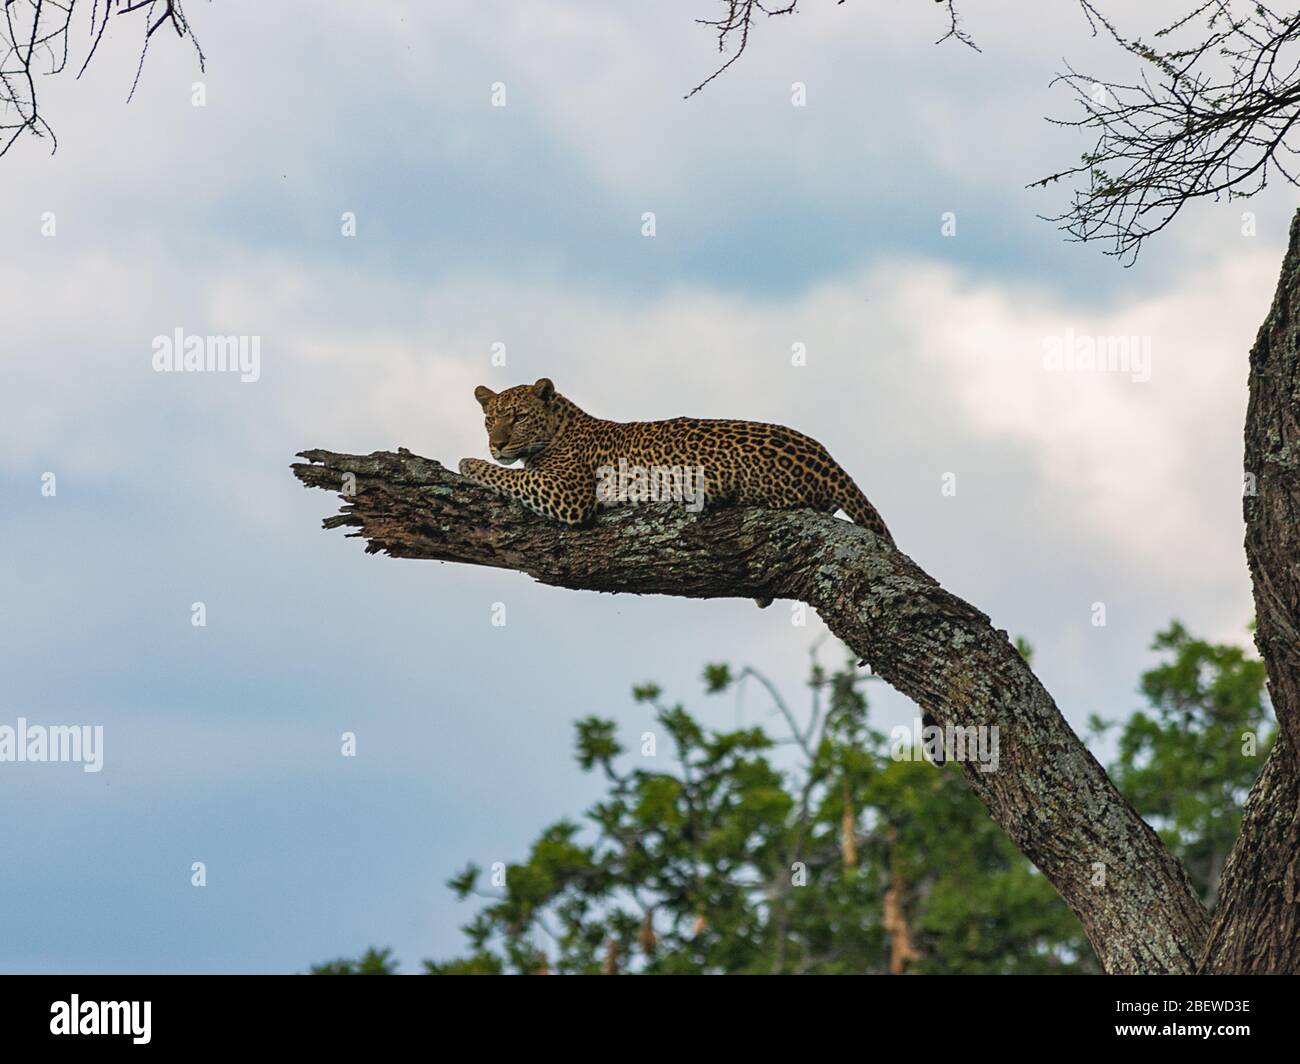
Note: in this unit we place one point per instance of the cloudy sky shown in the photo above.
(521, 225)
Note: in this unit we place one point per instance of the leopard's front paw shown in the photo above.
(469, 468)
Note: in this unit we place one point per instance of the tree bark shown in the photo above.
(1048, 793)
(1256, 927)
(1272, 509)
(1257, 921)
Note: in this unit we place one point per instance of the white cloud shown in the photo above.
(1153, 467)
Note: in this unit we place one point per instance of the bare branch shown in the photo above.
(955, 32)
(34, 42)
(734, 26)
(1217, 121)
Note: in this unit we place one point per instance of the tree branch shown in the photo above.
(1272, 496)
(34, 41)
(1256, 927)
(735, 23)
(1257, 921)
(1048, 792)
(1219, 120)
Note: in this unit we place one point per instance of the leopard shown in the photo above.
(568, 456)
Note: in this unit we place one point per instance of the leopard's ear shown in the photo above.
(484, 396)
(544, 389)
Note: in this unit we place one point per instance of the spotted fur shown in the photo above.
(563, 447)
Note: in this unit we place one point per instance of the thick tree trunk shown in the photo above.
(1256, 925)
(1257, 922)
(1272, 508)
(1049, 794)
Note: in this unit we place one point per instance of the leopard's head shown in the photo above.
(520, 421)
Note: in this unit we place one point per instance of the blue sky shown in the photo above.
(775, 225)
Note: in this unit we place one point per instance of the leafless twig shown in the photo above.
(34, 42)
(734, 27)
(1212, 117)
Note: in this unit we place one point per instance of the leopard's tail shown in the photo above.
(858, 506)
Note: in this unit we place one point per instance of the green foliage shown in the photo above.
(372, 962)
(735, 860)
(1024, 649)
(1188, 762)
